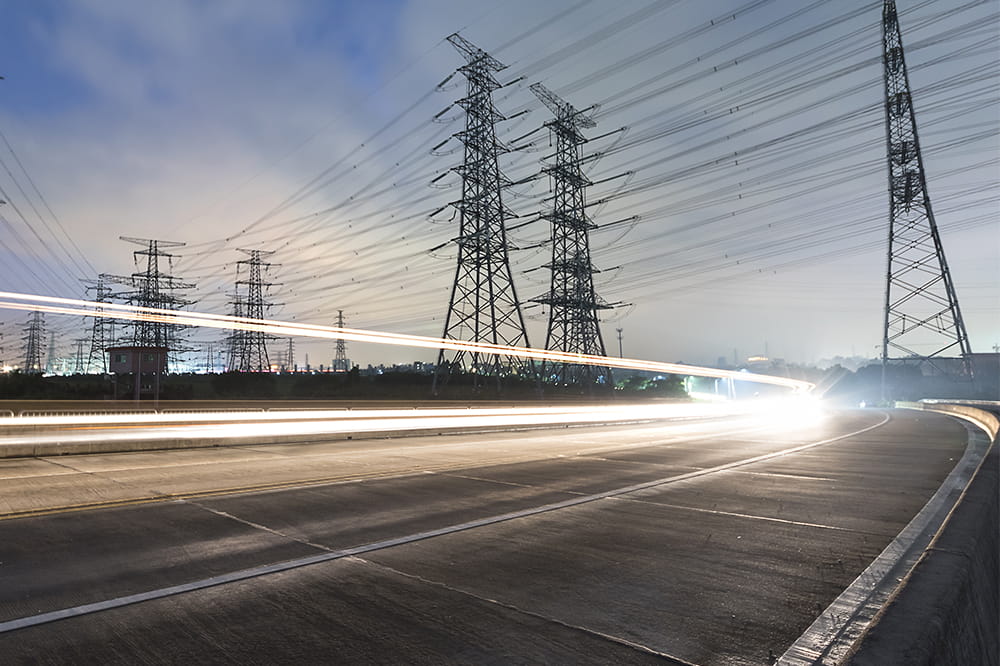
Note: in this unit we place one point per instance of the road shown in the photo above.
(705, 541)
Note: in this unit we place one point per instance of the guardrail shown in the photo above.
(236, 410)
(31, 413)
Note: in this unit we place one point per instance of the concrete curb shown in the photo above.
(946, 610)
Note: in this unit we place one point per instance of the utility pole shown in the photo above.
(621, 354)
(923, 323)
(574, 326)
(340, 361)
(483, 306)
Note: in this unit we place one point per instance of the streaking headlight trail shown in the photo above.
(71, 306)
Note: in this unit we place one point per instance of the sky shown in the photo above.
(738, 160)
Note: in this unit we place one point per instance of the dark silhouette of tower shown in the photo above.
(34, 333)
(573, 323)
(248, 351)
(340, 361)
(50, 358)
(923, 323)
(290, 356)
(151, 287)
(79, 365)
(236, 340)
(483, 306)
(102, 330)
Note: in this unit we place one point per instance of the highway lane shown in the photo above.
(39, 484)
(722, 568)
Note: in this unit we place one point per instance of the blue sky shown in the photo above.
(305, 127)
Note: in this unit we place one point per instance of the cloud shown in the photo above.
(189, 120)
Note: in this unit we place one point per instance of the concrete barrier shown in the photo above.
(946, 611)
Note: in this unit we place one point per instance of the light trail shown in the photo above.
(71, 306)
(604, 412)
(76, 428)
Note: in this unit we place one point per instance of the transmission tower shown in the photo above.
(923, 323)
(340, 361)
(483, 306)
(79, 366)
(573, 323)
(249, 351)
(102, 329)
(151, 287)
(34, 333)
(236, 340)
(50, 357)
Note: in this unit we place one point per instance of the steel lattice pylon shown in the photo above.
(248, 352)
(340, 361)
(79, 365)
(101, 332)
(236, 340)
(153, 288)
(922, 318)
(34, 333)
(483, 306)
(573, 323)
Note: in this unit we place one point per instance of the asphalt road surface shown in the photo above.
(665, 542)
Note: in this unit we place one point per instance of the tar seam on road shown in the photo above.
(831, 636)
(748, 516)
(639, 647)
(255, 572)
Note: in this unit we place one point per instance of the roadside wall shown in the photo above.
(947, 610)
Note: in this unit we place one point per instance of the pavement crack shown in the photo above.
(517, 609)
(622, 498)
(65, 466)
(105, 476)
(258, 526)
(503, 483)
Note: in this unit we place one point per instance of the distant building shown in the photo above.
(143, 364)
(126, 360)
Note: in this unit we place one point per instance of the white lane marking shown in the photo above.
(831, 636)
(254, 572)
